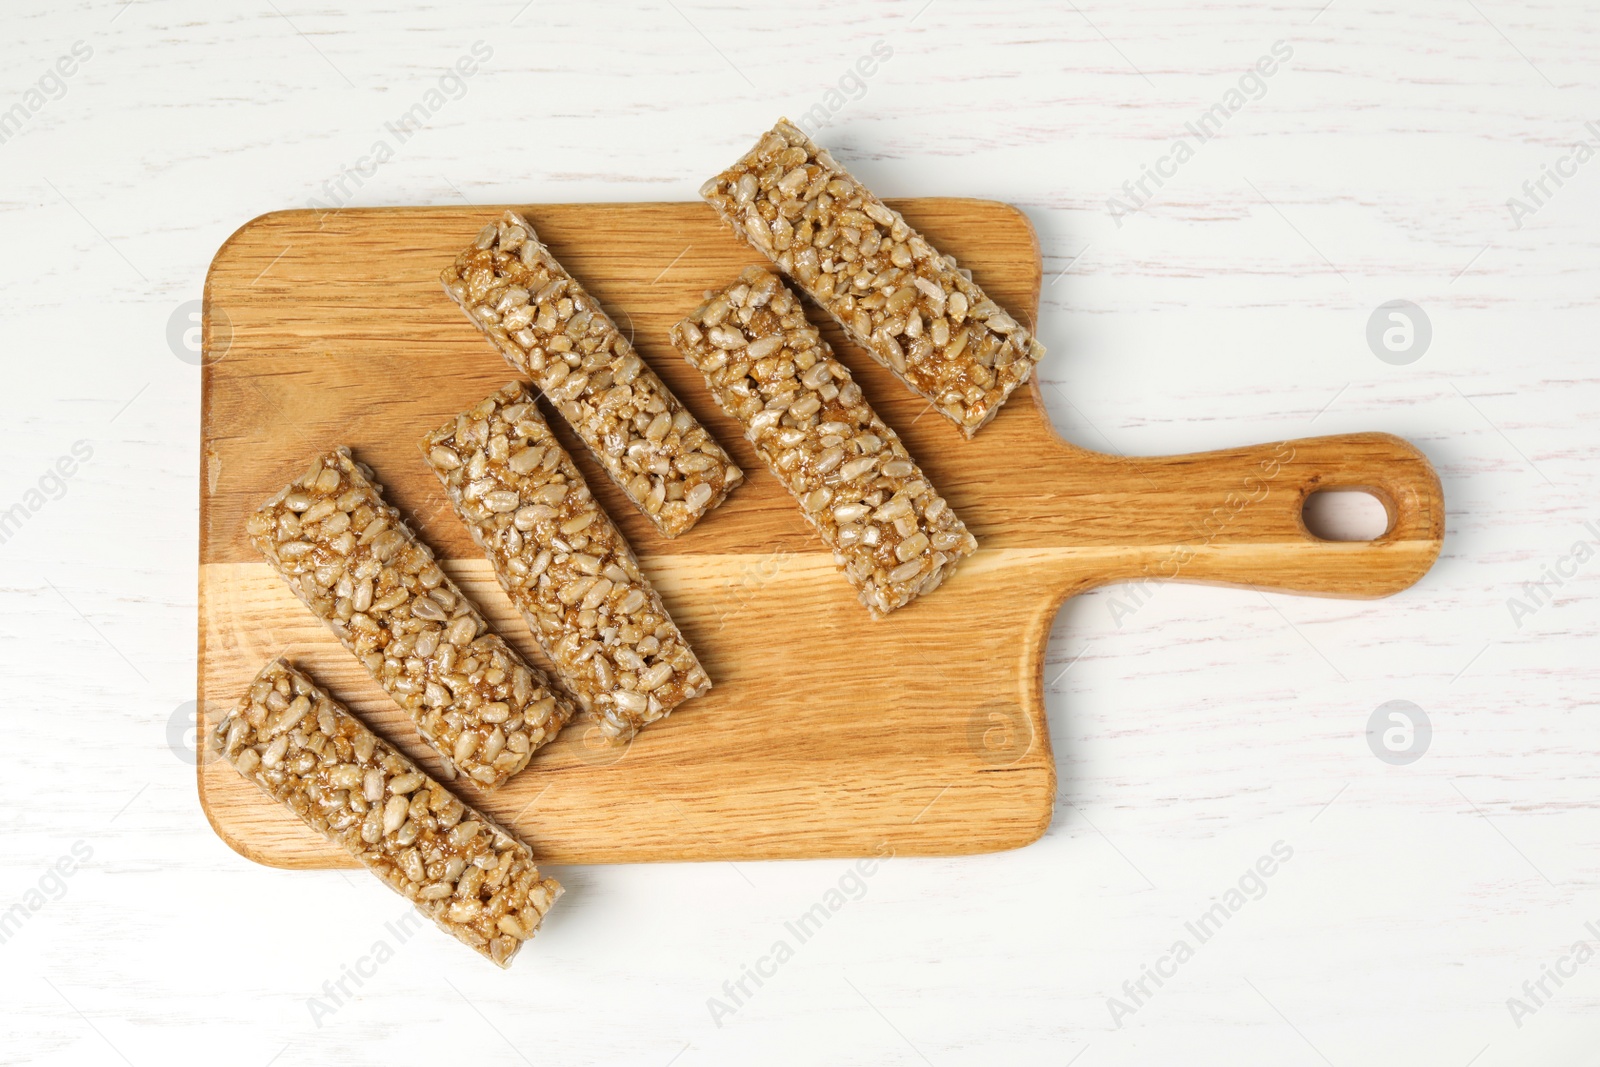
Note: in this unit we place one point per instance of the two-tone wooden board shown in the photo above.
(828, 733)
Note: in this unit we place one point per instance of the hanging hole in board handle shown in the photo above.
(1346, 515)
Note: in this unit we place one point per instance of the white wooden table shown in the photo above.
(1196, 731)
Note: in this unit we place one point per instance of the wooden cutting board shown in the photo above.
(827, 733)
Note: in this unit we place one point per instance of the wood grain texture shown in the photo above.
(827, 734)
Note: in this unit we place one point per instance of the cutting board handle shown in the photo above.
(1236, 516)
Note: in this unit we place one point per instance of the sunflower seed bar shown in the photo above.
(891, 533)
(351, 559)
(550, 329)
(304, 750)
(564, 563)
(914, 310)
